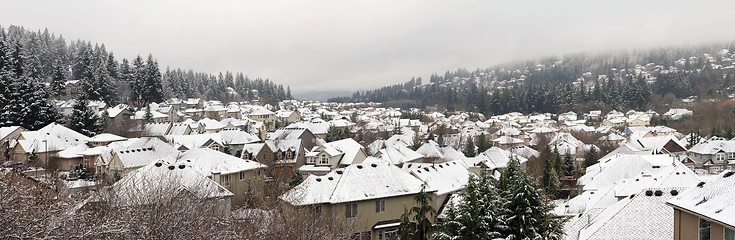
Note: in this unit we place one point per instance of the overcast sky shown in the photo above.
(350, 45)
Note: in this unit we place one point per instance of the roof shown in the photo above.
(356, 182)
(445, 177)
(207, 161)
(348, 146)
(144, 151)
(399, 154)
(496, 157)
(161, 179)
(643, 216)
(604, 174)
(106, 137)
(712, 199)
(52, 137)
(5, 131)
(714, 145)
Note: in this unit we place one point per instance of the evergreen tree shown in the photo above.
(152, 89)
(84, 120)
(482, 143)
(558, 164)
(550, 179)
(479, 214)
(295, 179)
(416, 222)
(529, 213)
(148, 117)
(57, 86)
(590, 157)
(569, 169)
(469, 149)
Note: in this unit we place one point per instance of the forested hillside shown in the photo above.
(636, 79)
(35, 65)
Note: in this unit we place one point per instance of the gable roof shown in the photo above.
(356, 182)
(712, 199)
(144, 151)
(52, 137)
(207, 161)
(445, 177)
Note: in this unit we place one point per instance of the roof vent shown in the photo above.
(145, 149)
(188, 160)
(728, 174)
(158, 164)
(649, 193)
(359, 166)
(373, 165)
(677, 173)
(127, 151)
(171, 167)
(656, 166)
(658, 193)
(637, 179)
(339, 171)
(704, 199)
(122, 151)
(441, 166)
(318, 179)
(455, 163)
(674, 192)
(419, 171)
(426, 169)
(330, 178)
(409, 165)
(632, 195)
(700, 184)
(718, 211)
(182, 166)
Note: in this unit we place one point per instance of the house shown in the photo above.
(44, 143)
(239, 176)
(164, 181)
(308, 139)
(8, 139)
(136, 155)
(706, 211)
(334, 155)
(492, 161)
(714, 155)
(399, 155)
(71, 90)
(285, 117)
(372, 197)
(677, 113)
(118, 114)
(265, 116)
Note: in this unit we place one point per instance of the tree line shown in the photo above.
(36, 66)
(571, 82)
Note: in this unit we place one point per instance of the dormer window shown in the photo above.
(289, 154)
(279, 155)
(721, 157)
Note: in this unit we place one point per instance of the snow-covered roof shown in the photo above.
(643, 216)
(207, 161)
(712, 199)
(106, 137)
(52, 137)
(445, 177)
(5, 131)
(356, 182)
(496, 157)
(714, 145)
(348, 146)
(399, 154)
(144, 151)
(164, 179)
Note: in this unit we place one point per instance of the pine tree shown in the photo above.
(416, 222)
(152, 89)
(550, 179)
(148, 117)
(84, 120)
(479, 214)
(590, 157)
(57, 86)
(569, 169)
(529, 213)
(482, 143)
(469, 149)
(558, 164)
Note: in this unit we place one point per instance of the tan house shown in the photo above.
(138, 154)
(267, 117)
(706, 211)
(44, 143)
(332, 155)
(8, 139)
(239, 176)
(369, 198)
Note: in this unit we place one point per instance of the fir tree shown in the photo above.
(482, 143)
(569, 169)
(148, 117)
(479, 214)
(469, 149)
(550, 179)
(57, 86)
(152, 89)
(590, 157)
(84, 120)
(529, 213)
(416, 222)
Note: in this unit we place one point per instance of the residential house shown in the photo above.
(44, 143)
(370, 197)
(8, 139)
(333, 155)
(714, 155)
(706, 211)
(265, 116)
(136, 155)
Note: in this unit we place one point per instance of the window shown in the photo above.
(215, 147)
(279, 155)
(731, 155)
(289, 154)
(351, 210)
(729, 234)
(242, 175)
(380, 206)
(387, 234)
(720, 157)
(226, 180)
(311, 160)
(323, 159)
(704, 229)
(246, 155)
